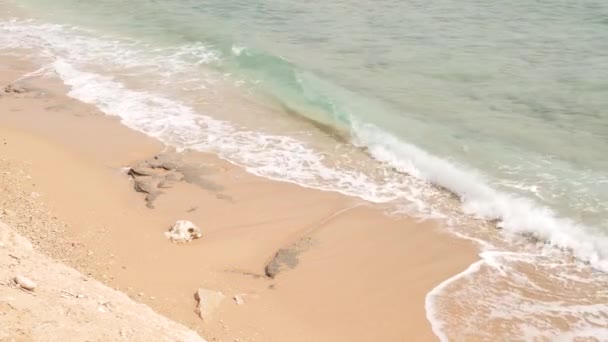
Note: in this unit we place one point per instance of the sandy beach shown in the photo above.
(340, 268)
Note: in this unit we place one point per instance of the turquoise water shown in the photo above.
(516, 90)
(503, 104)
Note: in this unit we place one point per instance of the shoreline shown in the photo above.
(119, 241)
(282, 255)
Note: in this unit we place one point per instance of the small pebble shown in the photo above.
(25, 283)
(239, 300)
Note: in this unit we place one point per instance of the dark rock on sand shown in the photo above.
(284, 257)
(164, 170)
(287, 257)
(152, 175)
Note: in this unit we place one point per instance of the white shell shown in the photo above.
(183, 231)
(25, 283)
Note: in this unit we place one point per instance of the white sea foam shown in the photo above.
(272, 156)
(83, 47)
(514, 214)
(510, 305)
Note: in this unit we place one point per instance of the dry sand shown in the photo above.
(348, 272)
(65, 305)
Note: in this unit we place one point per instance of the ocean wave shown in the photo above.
(513, 214)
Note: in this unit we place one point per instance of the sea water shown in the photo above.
(503, 104)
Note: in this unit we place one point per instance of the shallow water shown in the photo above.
(503, 105)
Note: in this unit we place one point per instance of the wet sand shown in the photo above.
(348, 271)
